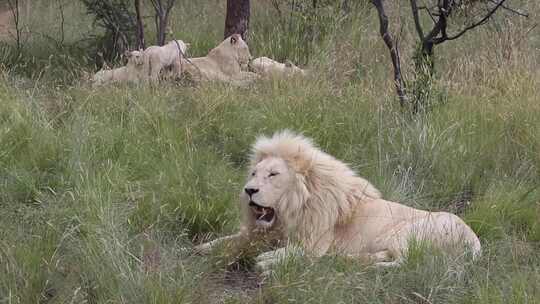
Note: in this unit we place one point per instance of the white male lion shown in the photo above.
(226, 62)
(167, 56)
(134, 71)
(270, 68)
(297, 192)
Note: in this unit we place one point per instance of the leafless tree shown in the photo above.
(439, 12)
(237, 18)
(163, 9)
(14, 8)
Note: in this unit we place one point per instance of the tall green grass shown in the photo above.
(101, 190)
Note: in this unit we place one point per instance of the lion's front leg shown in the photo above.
(177, 69)
(235, 241)
(267, 260)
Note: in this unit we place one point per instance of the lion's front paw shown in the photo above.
(267, 260)
(203, 249)
(265, 266)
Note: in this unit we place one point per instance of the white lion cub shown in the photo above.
(167, 56)
(134, 71)
(269, 67)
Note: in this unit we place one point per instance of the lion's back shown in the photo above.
(161, 55)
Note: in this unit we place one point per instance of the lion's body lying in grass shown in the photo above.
(224, 63)
(270, 68)
(296, 192)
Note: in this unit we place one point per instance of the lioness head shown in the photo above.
(241, 49)
(293, 69)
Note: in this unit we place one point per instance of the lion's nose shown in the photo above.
(251, 191)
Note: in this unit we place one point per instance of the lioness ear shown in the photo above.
(233, 39)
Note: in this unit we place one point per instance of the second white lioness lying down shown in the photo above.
(298, 194)
(270, 68)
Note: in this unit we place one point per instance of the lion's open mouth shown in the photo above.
(263, 215)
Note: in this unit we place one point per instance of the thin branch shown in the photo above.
(513, 10)
(62, 21)
(441, 23)
(429, 12)
(394, 51)
(472, 26)
(170, 4)
(275, 4)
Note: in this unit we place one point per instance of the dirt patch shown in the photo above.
(238, 284)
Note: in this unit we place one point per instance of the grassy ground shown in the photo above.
(100, 189)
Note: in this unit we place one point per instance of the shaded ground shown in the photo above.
(240, 284)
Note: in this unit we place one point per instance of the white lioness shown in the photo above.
(167, 56)
(134, 71)
(296, 192)
(225, 63)
(270, 68)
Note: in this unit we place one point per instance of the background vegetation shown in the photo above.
(100, 189)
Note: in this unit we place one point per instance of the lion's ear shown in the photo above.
(233, 39)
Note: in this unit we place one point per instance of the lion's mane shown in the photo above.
(325, 190)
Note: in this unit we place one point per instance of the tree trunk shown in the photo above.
(140, 26)
(345, 7)
(162, 18)
(237, 19)
(394, 51)
(162, 32)
(14, 8)
(427, 57)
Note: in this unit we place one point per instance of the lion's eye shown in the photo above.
(272, 174)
